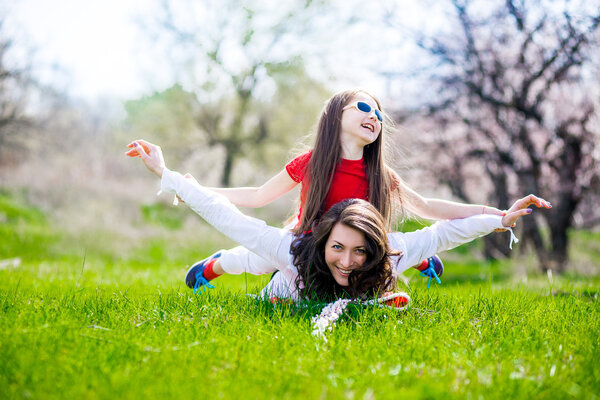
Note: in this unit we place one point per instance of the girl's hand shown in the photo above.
(520, 208)
(150, 154)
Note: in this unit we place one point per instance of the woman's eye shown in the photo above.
(361, 251)
(336, 246)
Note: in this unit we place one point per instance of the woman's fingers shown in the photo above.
(139, 143)
(141, 151)
(132, 153)
(150, 154)
(511, 218)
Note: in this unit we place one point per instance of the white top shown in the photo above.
(273, 244)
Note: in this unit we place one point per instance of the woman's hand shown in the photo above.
(521, 207)
(150, 154)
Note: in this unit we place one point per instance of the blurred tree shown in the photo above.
(517, 90)
(166, 117)
(15, 83)
(232, 54)
(183, 124)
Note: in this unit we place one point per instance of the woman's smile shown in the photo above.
(344, 252)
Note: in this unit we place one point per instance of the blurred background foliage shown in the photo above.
(502, 96)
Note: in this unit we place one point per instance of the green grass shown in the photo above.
(124, 326)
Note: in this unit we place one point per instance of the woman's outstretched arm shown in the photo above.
(445, 235)
(270, 243)
(260, 196)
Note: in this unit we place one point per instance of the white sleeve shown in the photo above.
(270, 243)
(442, 235)
(282, 285)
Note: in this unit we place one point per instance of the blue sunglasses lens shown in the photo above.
(379, 116)
(364, 107)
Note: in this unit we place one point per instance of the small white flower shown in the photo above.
(326, 321)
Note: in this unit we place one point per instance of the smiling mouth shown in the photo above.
(369, 127)
(344, 272)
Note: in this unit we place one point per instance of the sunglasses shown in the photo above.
(366, 108)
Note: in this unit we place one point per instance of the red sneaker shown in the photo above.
(397, 301)
(431, 268)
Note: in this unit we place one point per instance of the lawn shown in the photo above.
(94, 323)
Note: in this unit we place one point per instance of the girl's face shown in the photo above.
(345, 251)
(361, 128)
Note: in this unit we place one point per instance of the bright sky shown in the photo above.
(102, 51)
(96, 43)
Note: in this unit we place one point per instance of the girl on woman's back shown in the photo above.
(347, 161)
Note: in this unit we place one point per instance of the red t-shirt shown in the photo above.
(349, 180)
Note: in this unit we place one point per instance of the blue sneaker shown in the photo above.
(432, 268)
(194, 278)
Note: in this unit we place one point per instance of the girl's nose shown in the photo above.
(373, 116)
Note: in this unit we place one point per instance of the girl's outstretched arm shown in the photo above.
(445, 235)
(429, 208)
(521, 208)
(270, 191)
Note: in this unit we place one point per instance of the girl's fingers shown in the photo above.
(545, 204)
(538, 201)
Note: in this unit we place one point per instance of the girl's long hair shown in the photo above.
(308, 251)
(384, 193)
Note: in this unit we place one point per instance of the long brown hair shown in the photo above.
(308, 251)
(384, 194)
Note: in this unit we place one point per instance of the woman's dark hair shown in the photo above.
(384, 193)
(308, 250)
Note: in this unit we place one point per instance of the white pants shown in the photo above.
(239, 259)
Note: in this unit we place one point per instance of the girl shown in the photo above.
(346, 253)
(347, 161)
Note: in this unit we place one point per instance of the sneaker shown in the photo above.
(194, 278)
(432, 268)
(280, 300)
(396, 301)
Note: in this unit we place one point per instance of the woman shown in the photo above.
(346, 161)
(347, 252)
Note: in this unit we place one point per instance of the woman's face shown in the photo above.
(345, 251)
(358, 127)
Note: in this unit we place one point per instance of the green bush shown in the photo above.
(162, 215)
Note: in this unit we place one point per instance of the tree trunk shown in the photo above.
(559, 219)
(495, 246)
(228, 166)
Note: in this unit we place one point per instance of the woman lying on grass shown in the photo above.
(347, 254)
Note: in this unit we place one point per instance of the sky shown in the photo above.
(96, 48)
(93, 46)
